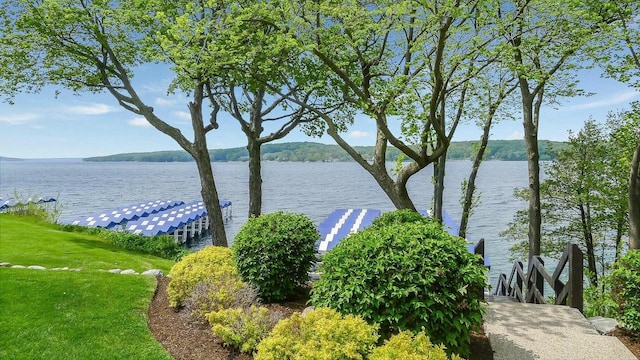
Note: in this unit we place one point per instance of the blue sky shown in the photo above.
(72, 126)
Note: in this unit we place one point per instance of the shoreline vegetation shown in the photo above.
(506, 150)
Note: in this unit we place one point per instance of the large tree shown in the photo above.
(584, 195)
(492, 92)
(253, 110)
(543, 41)
(403, 64)
(248, 70)
(622, 61)
(86, 45)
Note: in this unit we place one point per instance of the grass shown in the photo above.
(28, 241)
(90, 314)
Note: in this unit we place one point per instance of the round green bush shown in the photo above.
(274, 252)
(625, 286)
(319, 334)
(399, 217)
(406, 276)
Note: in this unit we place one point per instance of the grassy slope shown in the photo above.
(30, 242)
(89, 314)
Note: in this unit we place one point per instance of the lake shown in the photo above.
(313, 189)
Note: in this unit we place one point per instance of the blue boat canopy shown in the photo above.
(343, 222)
(6, 203)
(168, 221)
(111, 218)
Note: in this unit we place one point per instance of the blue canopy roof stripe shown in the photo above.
(341, 223)
(452, 228)
(6, 203)
(39, 200)
(167, 221)
(449, 224)
(111, 218)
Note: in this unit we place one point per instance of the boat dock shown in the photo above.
(343, 222)
(7, 204)
(183, 221)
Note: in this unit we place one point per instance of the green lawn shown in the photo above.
(26, 241)
(90, 314)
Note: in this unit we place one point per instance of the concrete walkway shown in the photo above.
(547, 332)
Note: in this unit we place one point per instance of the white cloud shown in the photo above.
(182, 115)
(357, 134)
(140, 122)
(90, 109)
(18, 119)
(516, 135)
(164, 102)
(613, 99)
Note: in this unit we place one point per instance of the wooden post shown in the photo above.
(478, 249)
(540, 279)
(576, 277)
(519, 280)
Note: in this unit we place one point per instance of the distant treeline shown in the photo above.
(510, 150)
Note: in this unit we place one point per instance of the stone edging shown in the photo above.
(150, 272)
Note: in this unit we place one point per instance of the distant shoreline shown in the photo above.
(505, 150)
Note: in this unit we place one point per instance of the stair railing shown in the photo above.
(529, 287)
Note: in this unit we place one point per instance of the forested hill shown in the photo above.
(513, 150)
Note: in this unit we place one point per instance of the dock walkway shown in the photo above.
(519, 331)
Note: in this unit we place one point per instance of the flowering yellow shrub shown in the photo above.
(212, 266)
(404, 346)
(243, 328)
(319, 334)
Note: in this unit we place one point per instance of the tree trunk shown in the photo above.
(210, 196)
(200, 153)
(619, 232)
(634, 201)
(471, 183)
(396, 190)
(533, 156)
(587, 233)
(255, 177)
(439, 172)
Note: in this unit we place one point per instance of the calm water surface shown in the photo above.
(314, 189)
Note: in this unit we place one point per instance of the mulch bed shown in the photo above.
(187, 341)
(629, 340)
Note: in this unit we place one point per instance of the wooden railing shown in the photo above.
(529, 287)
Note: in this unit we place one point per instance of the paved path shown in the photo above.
(546, 332)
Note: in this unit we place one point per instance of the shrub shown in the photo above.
(275, 252)
(243, 328)
(410, 276)
(598, 300)
(404, 346)
(625, 284)
(319, 334)
(163, 246)
(399, 217)
(216, 294)
(213, 265)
